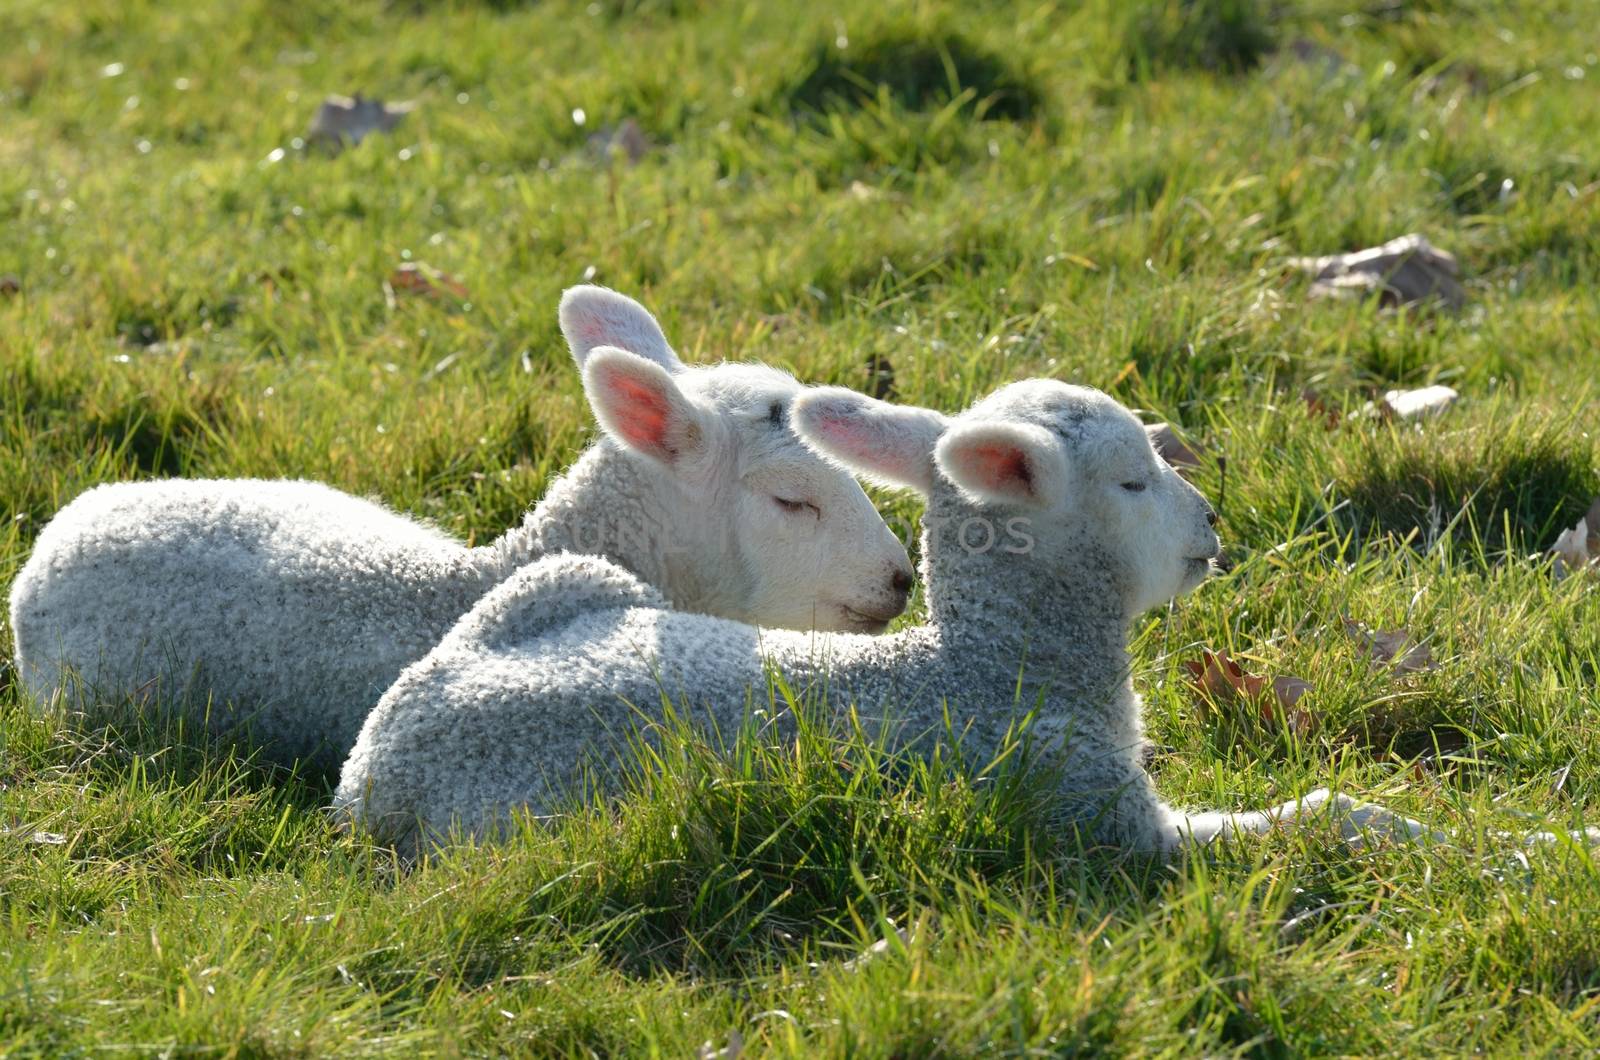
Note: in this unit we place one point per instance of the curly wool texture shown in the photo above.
(273, 594)
(282, 610)
(288, 607)
(284, 606)
(504, 714)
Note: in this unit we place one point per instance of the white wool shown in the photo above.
(293, 606)
(1050, 524)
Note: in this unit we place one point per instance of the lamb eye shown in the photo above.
(798, 506)
(1133, 487)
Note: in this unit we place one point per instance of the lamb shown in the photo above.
(294, 605)
(1050, 524)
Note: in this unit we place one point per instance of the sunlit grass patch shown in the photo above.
(1102, 193)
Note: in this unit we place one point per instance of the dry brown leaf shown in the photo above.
(419, 278)
(627, 138)
(776, 322)
(1170, 447)
(1321, 409)
(1404, 272)
(1388, 649)
(876, 950)
(1216, 675)
(1578, 549)
(732, 1051)
(351, 119)
(880, 377)
(1281, 708)
(10, 284)
(1416, 404)
(1222, 680)
(1319, 56)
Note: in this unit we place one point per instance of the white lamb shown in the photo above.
(297, 605)
(1050, 524)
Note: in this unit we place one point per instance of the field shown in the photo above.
(1104, 191)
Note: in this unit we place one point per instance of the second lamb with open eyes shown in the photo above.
(295, 605)
(551, 665)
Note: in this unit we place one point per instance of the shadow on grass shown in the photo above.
(1144, 39)
(151, 430)
(711, 854)
(1506, 485)
(920, 68)
(151, 787)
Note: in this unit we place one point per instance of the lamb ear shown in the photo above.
(638, 403)
(1011, 463)
(592, 317)
(889, 444)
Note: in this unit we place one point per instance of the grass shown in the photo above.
(970, 194)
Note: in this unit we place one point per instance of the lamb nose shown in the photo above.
(901, 582)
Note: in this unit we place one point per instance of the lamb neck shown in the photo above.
(1061, 630)
(605, 505)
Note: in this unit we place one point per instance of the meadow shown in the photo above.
(926, 198)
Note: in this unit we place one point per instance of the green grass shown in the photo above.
(974, 193)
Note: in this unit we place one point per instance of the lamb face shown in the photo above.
(812, 548)
(1165, 525)
(790, 540)
(1064, 472)
(1081, 470)
(756, 526)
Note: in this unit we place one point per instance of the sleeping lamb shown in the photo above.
(1051, 523)
(294, 605)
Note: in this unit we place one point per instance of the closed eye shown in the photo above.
(1133, 487)
(798, 506)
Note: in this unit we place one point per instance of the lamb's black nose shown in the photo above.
(901, 582)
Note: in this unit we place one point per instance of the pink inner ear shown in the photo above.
(862, 445)
(642, 413)
(1003, 467)
(846, 434)
(594, 330)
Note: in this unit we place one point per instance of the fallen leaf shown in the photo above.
(1217, 675)
(1415, 404)
(1222, 680)
(351, 119)
(731, 1051)
(863, 191)
(1387, 648)
(1403, 272)
(1170, 447)
(876, 950)
(627, 138)
(1320, 408)
(270, 278)
(1288, 690)
(1311, 53)
(880, 377)
(420, 278)
(54, 839)
(1578, 549)
(10, 284)
(1281, 708)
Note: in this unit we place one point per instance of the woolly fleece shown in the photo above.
(287, 607)
(504, 714)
